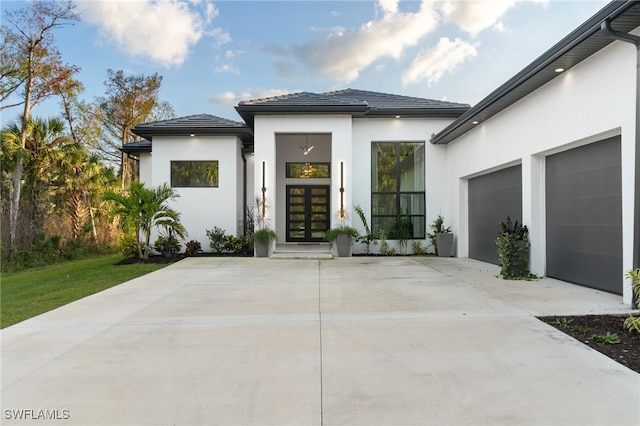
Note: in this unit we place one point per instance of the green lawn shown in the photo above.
(29, 293)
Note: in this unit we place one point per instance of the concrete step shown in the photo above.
(320, 251)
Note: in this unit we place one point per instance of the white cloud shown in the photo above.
(230, 98)
(476, 16)
(433, 63)
(226, 68)
(230, 54)
(388, 6)
(162, 31)
(343, 54)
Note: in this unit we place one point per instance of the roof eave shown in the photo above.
(453, 112)
(248, 112)
(241, 132)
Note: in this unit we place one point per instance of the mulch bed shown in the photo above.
(583, 328)
(157, 259)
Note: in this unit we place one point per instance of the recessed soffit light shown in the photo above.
(559, 70)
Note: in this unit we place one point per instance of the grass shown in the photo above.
(29, 293)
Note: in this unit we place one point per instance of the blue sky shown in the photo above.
(214, 54)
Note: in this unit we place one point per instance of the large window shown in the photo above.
(190, 174)
(397, 189)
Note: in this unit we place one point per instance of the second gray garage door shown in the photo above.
(584, 215)
(492, 197)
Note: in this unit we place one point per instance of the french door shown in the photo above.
(307, 212)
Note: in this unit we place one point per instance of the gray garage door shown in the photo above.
(584, 215)
(492, 197)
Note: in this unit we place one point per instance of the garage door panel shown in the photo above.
(492, 197)
(584, 215)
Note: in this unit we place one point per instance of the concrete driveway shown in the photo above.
(358, 341)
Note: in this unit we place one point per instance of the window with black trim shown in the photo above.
(397, 189)
(194, 174)
(308, 170)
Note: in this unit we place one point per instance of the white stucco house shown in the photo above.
(555, 147)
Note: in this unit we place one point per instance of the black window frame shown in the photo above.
(375, 226)
(176, 184)
(288, 165)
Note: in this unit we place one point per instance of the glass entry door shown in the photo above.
(307, 212)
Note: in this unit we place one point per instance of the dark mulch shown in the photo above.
(157, 259)
(583, 328)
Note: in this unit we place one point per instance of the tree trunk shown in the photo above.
(14, 205)
(16, 179)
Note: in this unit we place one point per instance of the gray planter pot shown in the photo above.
(262, 250)
(343, 245)
(444, 245)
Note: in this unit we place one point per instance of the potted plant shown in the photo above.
(441, 238)
(513, 250)
(263, 237)
(342, 236)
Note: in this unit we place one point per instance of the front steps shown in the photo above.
(304, 251)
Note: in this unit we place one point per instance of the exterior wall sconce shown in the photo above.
(342, 186)
(264, 189)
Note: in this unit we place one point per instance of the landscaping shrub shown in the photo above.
(513, 250)
(167, 245)
(192, 248)
(216, 239)
(238, 245)
(633, 321)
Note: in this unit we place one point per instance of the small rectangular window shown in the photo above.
(194, 174)
(308, 170)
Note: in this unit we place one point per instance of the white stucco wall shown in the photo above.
(146, 171)
(351, 144)
(267, 127)
(203, 208)
(590, 102)
(366, 131)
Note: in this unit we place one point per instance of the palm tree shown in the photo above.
(142, 209)
(45, 147)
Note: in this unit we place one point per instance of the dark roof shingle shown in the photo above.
(360, 103)
(200, 124)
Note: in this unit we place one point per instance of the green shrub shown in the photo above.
(633, 321)
(216, 239)
(128, 245)
(418, 249)
(513, 251)
(238, 245)
(192, 248)
(385, 250)
(167, 245)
